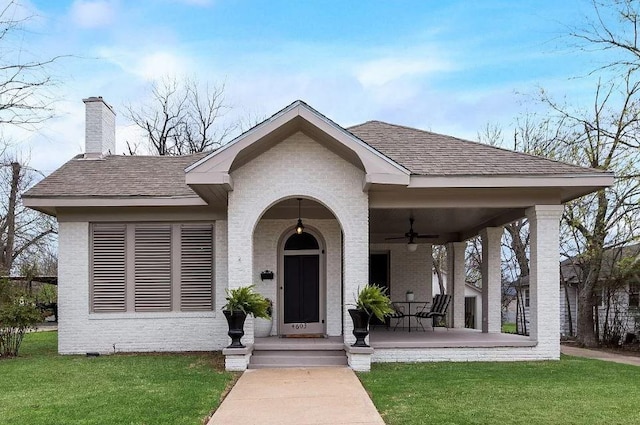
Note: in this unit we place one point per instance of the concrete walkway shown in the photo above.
(298, 397)
(599, 355)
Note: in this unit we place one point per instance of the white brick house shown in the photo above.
(147, 245)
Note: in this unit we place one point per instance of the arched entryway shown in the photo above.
(302, 284)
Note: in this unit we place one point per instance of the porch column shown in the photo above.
(240, 252)
(544, 277)
(455, 285)
(356, 261)
(491, 279)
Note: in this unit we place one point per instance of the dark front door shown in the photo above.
(301, 289)
(301, 301)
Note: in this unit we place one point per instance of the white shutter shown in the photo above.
(153, 267)
(196, 270)
(108, 268)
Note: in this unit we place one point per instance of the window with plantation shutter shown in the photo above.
(153, 267)
(196, 267)
(108, 268)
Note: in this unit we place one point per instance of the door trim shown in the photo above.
(322, 266)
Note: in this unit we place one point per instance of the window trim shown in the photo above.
(176, 247)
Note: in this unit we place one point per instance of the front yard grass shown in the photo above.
(41, 387)
(570, 391)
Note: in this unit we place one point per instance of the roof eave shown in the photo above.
(49, 205)
(600, 180)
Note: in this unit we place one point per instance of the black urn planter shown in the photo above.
(235, 319)
(360, 326)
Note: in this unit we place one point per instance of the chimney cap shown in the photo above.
(98, 99)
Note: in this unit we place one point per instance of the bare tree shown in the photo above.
(25, 80)
(25, 101)
(440, 265)
(182, 117)
(601, 138)
(23, 232)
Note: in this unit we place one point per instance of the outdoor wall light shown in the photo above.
(299, 226)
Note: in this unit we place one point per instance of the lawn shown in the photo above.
(569, 391)
(509, 328)
(41, 387)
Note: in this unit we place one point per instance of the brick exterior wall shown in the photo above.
(462, 354)
(300, 167)
(409, 271)
(80, 331)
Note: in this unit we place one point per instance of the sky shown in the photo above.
(450, 67)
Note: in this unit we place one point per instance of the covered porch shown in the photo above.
(356, 190)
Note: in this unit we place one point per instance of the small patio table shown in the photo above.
(409, 304)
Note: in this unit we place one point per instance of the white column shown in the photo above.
(544, 277)
(240, 245)
(356, 263)
(491, 279)
(456, 280)
(240, 253)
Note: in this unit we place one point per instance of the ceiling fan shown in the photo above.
(412, 236)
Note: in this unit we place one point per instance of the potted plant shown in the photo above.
(262, 326)
(371, 300)
(241, 302)
(409, 295)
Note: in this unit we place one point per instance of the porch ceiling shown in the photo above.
(450, 224)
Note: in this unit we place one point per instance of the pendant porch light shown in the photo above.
(299, 226)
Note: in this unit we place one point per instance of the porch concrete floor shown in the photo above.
(444, 338)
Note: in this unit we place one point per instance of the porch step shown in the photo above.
(281, 358)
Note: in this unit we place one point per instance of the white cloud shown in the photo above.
(150, 66)
(379, 72)
(93, 14)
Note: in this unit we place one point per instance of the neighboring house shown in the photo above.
(148, 245)
(618, 302)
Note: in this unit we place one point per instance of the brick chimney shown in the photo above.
(100, 128)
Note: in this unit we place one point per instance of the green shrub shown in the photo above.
(247, 300)
(18, 314)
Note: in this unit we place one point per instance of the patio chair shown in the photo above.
(398, 314)
(438, 310)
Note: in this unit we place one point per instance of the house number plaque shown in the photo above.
(299, 325)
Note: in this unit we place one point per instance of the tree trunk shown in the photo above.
(7, 252)
(586, 330)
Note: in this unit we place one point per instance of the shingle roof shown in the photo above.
(119, 176)
(571, 271)
(426, 153)
(421, 152)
